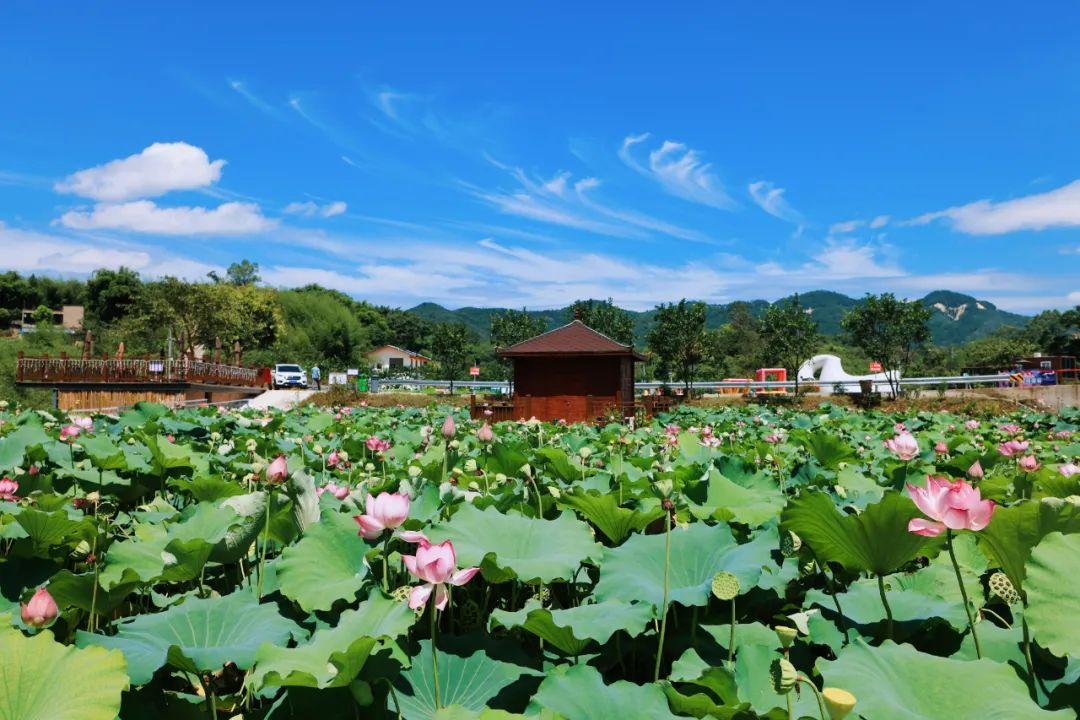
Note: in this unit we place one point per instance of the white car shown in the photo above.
(289, 376)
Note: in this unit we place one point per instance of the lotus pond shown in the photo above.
(384, 563)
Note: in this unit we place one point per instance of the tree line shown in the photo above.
(314, 325)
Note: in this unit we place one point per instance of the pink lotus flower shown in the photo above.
(485, 433)
(377, 445)
(1062, 434)
(971, 424)
(772, 438)
(488, 413)
(278, 470)
(955, 505)
(449, 429)
(338, 491)
(899, 428)
(1028, 463)
(975, 472)
(8, 488)
(1010, 428)
(710, 441)
(385, 512)
(333, 459)
(436, 565)
(1012, 447)
(82, 422)
(1068, 469)
(903, 446)
(41, 611)
(941, 448)
(68, 433)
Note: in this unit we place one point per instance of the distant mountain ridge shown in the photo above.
(957, 318)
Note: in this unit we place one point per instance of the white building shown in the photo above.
(391, 357)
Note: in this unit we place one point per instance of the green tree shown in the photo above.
(244, 272)
(999, 350)
(605, 317)
(111, 295)
(888, 330)
(677, 337)
(320, 329)
(451, 348)
(789, 334)
(736, 348)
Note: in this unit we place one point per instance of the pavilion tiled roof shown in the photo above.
(576, 338)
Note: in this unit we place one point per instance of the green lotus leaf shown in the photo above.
(327, 564)
(898, 681)
(579, 692)
(1014, 531)
(603, 511)
(48, 529)
(335, 655)
(70, 590)
(199, 635)
(634, 571)
(862, 603)
(876, 540)
(40, 679)
(103, 452)
(572, 629)
(725, 500)
(1052, 592)
(14, 446)
(466, 680)
(529, 548)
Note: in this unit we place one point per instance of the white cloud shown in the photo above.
(771, 199)
(679, 170)
(848, 226)
(34, 252)
(879, 222)
(158, 169)
(310, 208)
(1056, 208)
(241, 89)
(562, 201)
(144, 216)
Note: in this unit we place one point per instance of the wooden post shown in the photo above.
(88, 345)
(19, 371)
(217, 350)
(237, 355)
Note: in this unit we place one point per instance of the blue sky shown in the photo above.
(511, 154)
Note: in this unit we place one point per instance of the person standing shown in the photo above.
(316, 376)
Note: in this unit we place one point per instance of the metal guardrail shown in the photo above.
(948, 380)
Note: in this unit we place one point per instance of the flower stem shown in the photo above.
(664, 608)
(731, 637)
(435, 654)
(963, 593)
(385, 570)
(888, 610)
(817, 694)
(266, 540)
(1027, 654)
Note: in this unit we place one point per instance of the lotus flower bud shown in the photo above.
(784, 676)
(975, 472)
(449, 429)
(725, 586)
(585, 452)
(278, 470)
(838, 702)
(485, 434)
(786, 635)
(41, 611)
(414, 470)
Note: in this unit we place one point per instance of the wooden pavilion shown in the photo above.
(572, 373)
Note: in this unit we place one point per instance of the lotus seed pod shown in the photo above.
(725, 586)
(1002, 587)
(585, 452)
(784, 676)
(790, 544)
(807, 567)
(786, 634)
(838, 702)
(414, 470)
(317, 450)
(401, 594)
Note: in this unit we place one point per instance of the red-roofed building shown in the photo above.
(573, 373)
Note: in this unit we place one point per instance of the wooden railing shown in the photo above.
(134, 371)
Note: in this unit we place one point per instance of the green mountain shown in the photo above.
(957, 318)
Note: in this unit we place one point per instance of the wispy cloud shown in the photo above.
(771, 199)
(561, 200)
(1055, 208)
(241, 89)
(849, 226)
(679, 170)
(145, 216)
(310, 208)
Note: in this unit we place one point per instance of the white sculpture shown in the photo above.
(827, 372)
